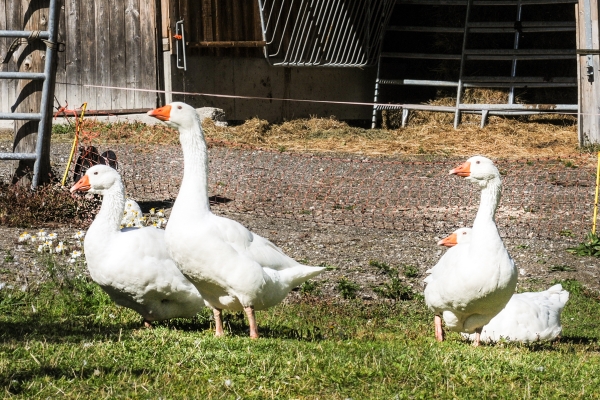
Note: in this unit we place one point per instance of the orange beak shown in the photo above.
(162, 113)
(449, 241)
(462, 170)
(82, 185)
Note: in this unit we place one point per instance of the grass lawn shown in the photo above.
(65, 338)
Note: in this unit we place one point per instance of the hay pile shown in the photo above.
(427, 133)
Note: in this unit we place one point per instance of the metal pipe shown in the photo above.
(22, 75)
(21, 116)
(24, 34)
(18, 156)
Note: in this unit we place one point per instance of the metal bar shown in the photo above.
(376, 96)
(430, 56)
(432, 29)
(483, 2)
(459, 87)
(21, 116)
(469, 82)
(513, 69)
(24, 34)
(48, 86)
(18, 156)
(260, 43)
(22, 75)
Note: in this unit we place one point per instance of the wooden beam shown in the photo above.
(588, 74)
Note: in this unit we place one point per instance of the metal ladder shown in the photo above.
(510, 82)
(48, 76)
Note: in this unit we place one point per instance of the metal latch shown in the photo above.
(180, 45)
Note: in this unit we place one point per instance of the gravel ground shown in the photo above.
(346, 211)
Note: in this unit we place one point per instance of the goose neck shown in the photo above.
(194, 185)
(490, 197)
(111, 211)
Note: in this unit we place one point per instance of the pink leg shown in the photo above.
(439, 332)
(218, 322)
(477, 337)
(252, 322)
(147, 324)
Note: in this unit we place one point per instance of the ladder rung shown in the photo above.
(23, 34)
(18, 156)
(526, 27)
(21, 116)
(519, 79)
(522, 54)
(416, 82)
(422, 56)
(23, 75)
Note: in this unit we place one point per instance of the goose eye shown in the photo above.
(464, 233)
(477, 162)
(96, 173)
(179, 107)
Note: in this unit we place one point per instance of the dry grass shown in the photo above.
(427, 133)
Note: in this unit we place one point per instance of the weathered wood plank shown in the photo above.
(207, 21)
(72, 52)
(118, 45)
(133, 57)
(88, 53)
(60, 88)
(4, 100)
(103, 47)
(14, 20)
(148, 54)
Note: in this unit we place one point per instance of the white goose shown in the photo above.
(470, 291)
(133, 265)
(527, 317)
(232, 267)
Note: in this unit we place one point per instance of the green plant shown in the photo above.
(410, 271)
(8, 257)
(566, 233)
(395, 289)
(382, 266)
(310, 288)
(590, 247)
(347, 288)
(561, 268)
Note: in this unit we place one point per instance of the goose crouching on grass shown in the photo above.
(528, 317)
(133, 265)
(469, 292)
(232, 267)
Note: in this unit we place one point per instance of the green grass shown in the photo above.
(66, 339)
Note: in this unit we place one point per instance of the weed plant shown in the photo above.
(590, 247)
(22, 207)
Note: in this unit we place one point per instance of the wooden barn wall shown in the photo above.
(107, 43)
(219, 21)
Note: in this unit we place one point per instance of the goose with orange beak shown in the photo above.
(232, 267)
(481, 277)
(132, 265)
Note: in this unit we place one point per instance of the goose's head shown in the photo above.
(97, 180)
(459, 236)
(177, 115)
(477, 169)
